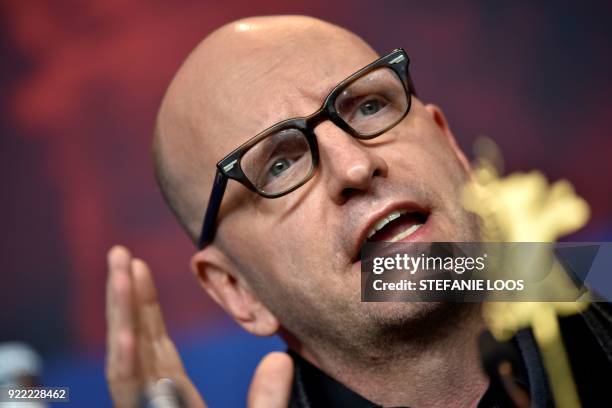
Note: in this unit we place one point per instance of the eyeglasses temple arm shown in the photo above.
(410, 84)
(212, 210)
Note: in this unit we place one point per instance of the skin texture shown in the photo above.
(243, 78)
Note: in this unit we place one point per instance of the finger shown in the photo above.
(150, 319)
(119, 302)
(151, 328)
(158, 357)
(272, 381)
(121, 363)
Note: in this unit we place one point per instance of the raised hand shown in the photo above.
(140, 352)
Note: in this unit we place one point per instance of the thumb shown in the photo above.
(271, 384)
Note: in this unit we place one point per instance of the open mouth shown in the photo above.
(397, 226)
(394, 226)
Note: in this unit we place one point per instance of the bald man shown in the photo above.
(322, 144)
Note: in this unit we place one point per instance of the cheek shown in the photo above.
(281, 238)
(282, 250)
(304, 262)
(428, 155)
(446, 169)
(306, 245)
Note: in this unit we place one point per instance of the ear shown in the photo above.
(222, 280)
(440, 120)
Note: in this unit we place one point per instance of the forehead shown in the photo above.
(270, 84)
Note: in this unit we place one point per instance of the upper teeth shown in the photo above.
(384, 221)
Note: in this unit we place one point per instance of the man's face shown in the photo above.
(300, 252)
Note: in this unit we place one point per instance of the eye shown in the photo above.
(279, 166)
(371, 107)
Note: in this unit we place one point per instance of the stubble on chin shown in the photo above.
(416, 324)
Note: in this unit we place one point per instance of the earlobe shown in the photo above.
(222, 280)
(440, 120)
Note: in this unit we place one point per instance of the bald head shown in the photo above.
(290, 262)
(240, 79)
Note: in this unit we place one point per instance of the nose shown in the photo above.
(349, 166)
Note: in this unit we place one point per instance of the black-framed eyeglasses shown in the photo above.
(284, 157)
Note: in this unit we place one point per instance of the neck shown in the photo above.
(441, 369)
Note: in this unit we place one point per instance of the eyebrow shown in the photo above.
(317, 95)
(303, 93)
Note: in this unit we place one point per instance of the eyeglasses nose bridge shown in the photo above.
(327, 113)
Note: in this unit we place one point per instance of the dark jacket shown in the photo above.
(588, 341)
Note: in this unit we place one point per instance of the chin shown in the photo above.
(417, 320)
(401, 313)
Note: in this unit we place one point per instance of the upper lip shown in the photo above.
(377, 215)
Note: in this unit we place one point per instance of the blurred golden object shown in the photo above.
(524, 207)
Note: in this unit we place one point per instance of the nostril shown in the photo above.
(361, 186)
(349, 192)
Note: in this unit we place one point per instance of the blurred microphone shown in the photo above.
(20, 366)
